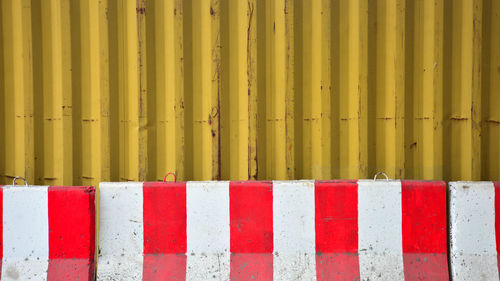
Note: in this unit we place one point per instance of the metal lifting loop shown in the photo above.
(21, 178)
(173, 174)
(381, 173)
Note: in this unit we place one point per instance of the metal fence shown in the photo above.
(94, 91)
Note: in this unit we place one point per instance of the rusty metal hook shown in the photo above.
(381, 173)
(173, 174)
(21, 178)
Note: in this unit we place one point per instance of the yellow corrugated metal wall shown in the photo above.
(123, 90)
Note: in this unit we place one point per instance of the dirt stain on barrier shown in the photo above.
(12, 273)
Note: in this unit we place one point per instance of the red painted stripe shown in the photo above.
(251, 217)
(425, 266)
(71, 233)
(336, 230)
(424, 230)
(251, 229)
(164, 218)
(344, 266)
(164, 215)
(336, 217)
(498, 262)
(70, 269)
(164, 267)
(497, 220)
(251, 267)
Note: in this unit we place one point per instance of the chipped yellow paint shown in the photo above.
(95, 91)
(251, 69)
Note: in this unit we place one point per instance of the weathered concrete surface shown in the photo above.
(48, 233)
(473, 248)
(280, 230)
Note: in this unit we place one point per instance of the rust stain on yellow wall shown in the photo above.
(95, 91)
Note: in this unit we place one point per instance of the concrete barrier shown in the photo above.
(48, 233)
(474, 230)
(281, 230)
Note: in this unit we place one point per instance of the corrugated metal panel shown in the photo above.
(106, 90)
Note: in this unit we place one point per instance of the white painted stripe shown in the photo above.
(208, 242)
(472, 231)
(380, 230)
(294, 230)
(25, 233)
(121, 232)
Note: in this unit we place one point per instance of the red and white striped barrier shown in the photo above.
(281, 230)
(48, 233)
(474, 230)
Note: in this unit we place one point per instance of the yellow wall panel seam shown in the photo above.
(104, 97)
(67, 98)
(142, 13)
(251, 68)
(325, 171)
(29, 169)
(476, 91)
(290, 96)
